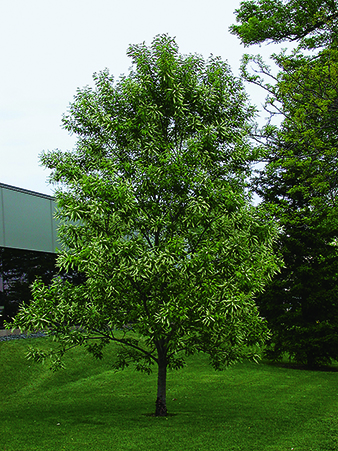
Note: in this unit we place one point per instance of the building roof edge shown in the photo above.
(26, 191)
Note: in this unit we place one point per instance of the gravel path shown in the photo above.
(22, 336)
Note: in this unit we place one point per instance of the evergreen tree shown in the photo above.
(299, 182)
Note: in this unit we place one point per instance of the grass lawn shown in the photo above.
(89, 407)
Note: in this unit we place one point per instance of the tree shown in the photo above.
(156, 215)
(312, 23)
(300, 180)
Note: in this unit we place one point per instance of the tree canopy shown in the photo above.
(299, 182)
(156, 214)
(311, 22)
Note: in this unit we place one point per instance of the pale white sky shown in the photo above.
(50, 48)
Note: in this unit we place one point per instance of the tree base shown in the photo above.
(161, 408)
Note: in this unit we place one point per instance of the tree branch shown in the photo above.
(121, 341)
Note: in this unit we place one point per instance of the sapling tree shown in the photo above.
(155, 213)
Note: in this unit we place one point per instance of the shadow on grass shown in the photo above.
(89, 407)
(302, 367)
(169, 415)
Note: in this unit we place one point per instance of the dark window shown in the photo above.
(18, 269)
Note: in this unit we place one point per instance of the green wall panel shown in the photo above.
(2, 223)
(27, 220)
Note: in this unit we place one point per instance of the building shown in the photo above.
(28, 242)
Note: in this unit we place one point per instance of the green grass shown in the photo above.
(90, 407)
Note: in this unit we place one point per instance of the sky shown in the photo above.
(50, 48)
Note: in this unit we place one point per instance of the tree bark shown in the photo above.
(161, 404)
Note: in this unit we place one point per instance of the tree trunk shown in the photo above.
(161, 404)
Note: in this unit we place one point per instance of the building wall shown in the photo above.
(26, 220)
(28, 241)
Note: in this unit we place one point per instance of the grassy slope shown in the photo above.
(89, 407)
